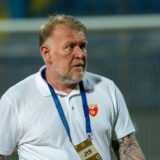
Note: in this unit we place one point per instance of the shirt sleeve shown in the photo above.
(8, 127)
(123, 123)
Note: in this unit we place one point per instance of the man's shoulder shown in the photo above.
(91, 80)
(97, 78)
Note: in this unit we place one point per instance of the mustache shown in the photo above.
(79, 63)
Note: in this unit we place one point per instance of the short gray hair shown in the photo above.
(48, 27)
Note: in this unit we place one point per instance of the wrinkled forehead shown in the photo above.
(63, 31)
(67, 28)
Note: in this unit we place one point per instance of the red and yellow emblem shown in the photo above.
(93, 109)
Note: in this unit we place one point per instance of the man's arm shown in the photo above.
(3, 157)
(127, 148)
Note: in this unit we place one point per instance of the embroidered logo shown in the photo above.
(93, 109)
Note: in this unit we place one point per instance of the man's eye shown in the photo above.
(83, 46)
(71, 46)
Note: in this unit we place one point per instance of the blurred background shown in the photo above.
(124, 45)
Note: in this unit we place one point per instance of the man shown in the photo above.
(63, 112)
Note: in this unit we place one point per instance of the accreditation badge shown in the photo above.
(87, 151)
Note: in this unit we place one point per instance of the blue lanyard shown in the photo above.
(85, 108)
(61, 112)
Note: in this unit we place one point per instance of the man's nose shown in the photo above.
(79, 52)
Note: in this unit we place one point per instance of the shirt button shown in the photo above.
(72, 107)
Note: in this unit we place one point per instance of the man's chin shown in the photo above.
(77, 78)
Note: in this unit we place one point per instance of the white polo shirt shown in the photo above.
(29, 120)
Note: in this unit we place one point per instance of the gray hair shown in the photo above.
(48, 27)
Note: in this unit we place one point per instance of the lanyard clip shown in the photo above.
(90, 135)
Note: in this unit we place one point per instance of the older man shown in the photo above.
(63, 112)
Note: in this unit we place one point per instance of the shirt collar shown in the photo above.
(43, 86)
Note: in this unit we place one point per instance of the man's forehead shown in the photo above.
(62, 31)
(65, 28)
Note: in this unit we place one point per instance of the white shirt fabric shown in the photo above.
(29, 121)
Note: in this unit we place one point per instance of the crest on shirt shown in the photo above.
(93, 109)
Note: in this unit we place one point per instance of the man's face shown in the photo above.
(68, 54)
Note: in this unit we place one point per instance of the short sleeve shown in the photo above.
(123, 124)
(8, 127)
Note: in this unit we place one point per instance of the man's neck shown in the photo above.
(60, 85)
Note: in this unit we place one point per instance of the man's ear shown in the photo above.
(46, 53)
